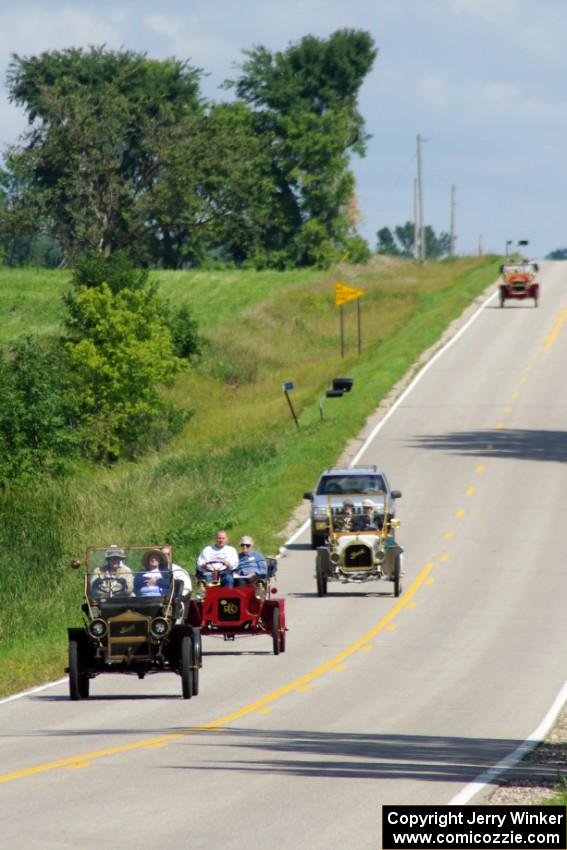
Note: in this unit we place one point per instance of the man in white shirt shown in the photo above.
(219, 558)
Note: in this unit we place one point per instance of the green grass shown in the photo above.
(240, 462)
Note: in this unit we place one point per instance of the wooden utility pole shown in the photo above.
(453, 218)
(415, 222)
(421, 254)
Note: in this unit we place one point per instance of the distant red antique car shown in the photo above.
(519, 281)
(231, 612)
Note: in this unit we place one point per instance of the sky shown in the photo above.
(483, 82)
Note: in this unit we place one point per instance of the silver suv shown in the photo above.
(356, 481)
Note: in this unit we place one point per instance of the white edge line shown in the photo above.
(32, 691)
(401, 398)
(511, 760)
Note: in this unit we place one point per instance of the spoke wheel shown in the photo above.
(397, 576)
(321, 573)
(186, 664)
(196, 661)
(74, 678)
(276, 630)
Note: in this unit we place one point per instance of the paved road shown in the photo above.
(377, 700)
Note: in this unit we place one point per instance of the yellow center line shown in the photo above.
(460, 513)
(555, 330)
(480, 468)
(215, 725)
(471, 491)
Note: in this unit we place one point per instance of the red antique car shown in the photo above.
(519, 281)
(231, 612)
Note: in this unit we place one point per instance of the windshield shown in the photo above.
(123, 572)
(330, 484)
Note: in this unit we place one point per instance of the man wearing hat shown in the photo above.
(251, 563)
(113, 577)
(153, 582)
(345, 521)
(368, 520)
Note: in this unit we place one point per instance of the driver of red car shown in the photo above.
(218, 558)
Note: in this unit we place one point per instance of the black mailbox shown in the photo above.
(343, 384)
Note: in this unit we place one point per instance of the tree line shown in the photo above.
(123, 152)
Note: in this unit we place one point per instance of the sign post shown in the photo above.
(286, 388)
(344, 294)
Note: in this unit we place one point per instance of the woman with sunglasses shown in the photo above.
(251, 563)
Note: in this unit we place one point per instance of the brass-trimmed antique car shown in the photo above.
(135, 619)
(361, 545)
(231, 612)
(519, 282)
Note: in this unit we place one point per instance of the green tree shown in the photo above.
(305, 105)
(98, 121)
(401, 242)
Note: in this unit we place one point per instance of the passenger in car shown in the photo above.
(251, 563)
(152, 582)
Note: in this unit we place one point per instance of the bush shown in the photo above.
(36, 432)
(120, 351)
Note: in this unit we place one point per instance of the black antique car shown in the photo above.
(135, 620)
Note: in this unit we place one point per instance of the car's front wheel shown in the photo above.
(321, 566)
(398, 575)
(317, 539)
(276, 630)
(78, 681)
(186, 667)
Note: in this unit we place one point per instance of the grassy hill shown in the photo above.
(240, 463)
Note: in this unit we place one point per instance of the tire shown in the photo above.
(198, 646)
(321, 572)
(185, 666)
(502, 300)
(276, 639)
(397, 576)
(196, 661)
(78, 682)
(536, 301)
(317, 540)
(74, 689)
(282, 641)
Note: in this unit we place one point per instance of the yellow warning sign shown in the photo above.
(344, 293)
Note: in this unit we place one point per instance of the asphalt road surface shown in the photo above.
(376, 700)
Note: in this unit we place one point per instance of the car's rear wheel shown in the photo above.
(186, 665)
(276, 640)
(282, 640)
(535, 301)
(78, 682)
(321, 571)
(397, 575)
